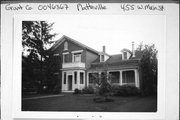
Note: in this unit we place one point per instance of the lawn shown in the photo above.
(70, 102)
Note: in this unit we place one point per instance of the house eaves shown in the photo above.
(63, 38)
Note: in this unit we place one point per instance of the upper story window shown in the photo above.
(77, 57)
(65, 57)
(102, 58)
(125, 55)
(66, 46)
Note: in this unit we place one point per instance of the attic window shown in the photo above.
(102, 58)
(65, 46)
(125, 55)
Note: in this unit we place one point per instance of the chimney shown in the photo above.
(104, 49)
(133, 51)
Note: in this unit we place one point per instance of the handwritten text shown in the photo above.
(130, 7)
(53, 7)
(89, 6)
(17, 7)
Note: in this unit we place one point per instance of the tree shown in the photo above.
(36, 38)
(148, 67)
(103, 85)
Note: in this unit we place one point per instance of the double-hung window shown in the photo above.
(64, 77)
(81, 78)
(77, 57)
(125, 55)
(66, 57)
(128, 76)
(75, 77)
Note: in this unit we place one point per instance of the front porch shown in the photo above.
(116, 77)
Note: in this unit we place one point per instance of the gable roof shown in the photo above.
(118, 58)
(122, 64)
(64, 37)
(114, 58)
(116, 62)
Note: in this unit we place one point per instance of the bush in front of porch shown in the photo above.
(125, 90)
(86, 90)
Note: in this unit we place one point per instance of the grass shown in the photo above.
(70, 102)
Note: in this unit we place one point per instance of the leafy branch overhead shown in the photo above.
(36, 37)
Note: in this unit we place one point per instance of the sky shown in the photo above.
(114, 31)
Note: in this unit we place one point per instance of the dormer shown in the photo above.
(103, 55)
(126, 54)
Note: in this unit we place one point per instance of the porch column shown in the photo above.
(67, 82)
(84, 78)
(78, 79)
(62, 81)
(99, 73)
(87, 79)
(136, 78)
(73, 85)
(120, 77)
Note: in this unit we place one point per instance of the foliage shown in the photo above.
(88, 90)
(148, 67)
(36, 38)
(56, 90)
(77, 91)
(103, 87)
(125, 90)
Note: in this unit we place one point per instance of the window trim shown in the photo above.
(111, 76)
(102, 56)
(74, 57)
(66, 53)
(82, 77)
(124, 55)
(75, 77)
(65, 45)
(126, 79)
(77, 51)
(64, 77)
(74, 52)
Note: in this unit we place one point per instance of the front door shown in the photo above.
(69, 82)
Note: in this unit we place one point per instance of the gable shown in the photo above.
(70, 47)
(72, 41)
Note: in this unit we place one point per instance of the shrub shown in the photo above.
(125, 90)
(88, 90)
(77, 91)
(57, 90)
(104, 89)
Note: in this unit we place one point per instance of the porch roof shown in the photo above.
(117, 65)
